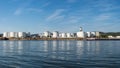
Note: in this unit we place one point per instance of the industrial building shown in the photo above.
(63, 35)
(15, 34)
(47, 34)
(88, 34)
(81, 34)
(55, 34)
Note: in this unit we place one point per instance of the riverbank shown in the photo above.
(60, 39)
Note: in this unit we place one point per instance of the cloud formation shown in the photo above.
(18, 11)
(56, 15)
(66, 14)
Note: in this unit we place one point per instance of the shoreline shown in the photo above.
(45, 39)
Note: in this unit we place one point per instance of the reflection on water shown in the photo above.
(57, 54)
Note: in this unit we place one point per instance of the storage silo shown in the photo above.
(12, 34)
(63, 35)
(68, 35)
(55, 34)
(72, 35)
(16, 34)
(81, 34)
(47, 34)
(21, 34)
(60, 35)
(88, 34)
(6, 34)
(97, 34)
(93, 34)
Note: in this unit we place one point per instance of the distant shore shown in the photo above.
(60, 39)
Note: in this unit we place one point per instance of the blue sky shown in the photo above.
(59, 15)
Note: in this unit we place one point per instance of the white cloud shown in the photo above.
(105, 5)
(34, 10)
(104, 17)
(18, 11)
(56, 15)
(22, 7)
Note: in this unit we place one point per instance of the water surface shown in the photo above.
(60, 54)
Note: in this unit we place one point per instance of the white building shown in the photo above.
(93, 33)
(14, 34)
(110, 36)
(68, 35)
(118, 37)
(63, 35)
(6, 34)
(72, 35)
(22, 34)
(88, 34)
(97, 34)
(47, 34)
(60, 35)
(55, 34)
(81, 34)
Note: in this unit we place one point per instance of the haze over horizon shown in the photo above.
(59, 15)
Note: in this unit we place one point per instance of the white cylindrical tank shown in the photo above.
(55, 34)
(6, 34)
(93, 33)
(97, 34)
(60, 35)
(63, 35)
(88, 34)
(72, 35)
(21, 34)
(68, 35)
(12, 34)
(16, 34)
(47, 33)
(81, 34)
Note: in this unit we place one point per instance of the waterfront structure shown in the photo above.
(60, 35)
(6, 34)
(88, 34)
(72, 35)
(81, 34)
(15, 34)
(22, 34)
(97, 34)
(68, 35)
(63, 35)
(110, 36)
(118, 37)
(47, 34)
(40, 35)
(55, 34)
(93, 33)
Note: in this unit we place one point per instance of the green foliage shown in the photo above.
(105, 35)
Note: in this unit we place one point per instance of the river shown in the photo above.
(60, 54)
